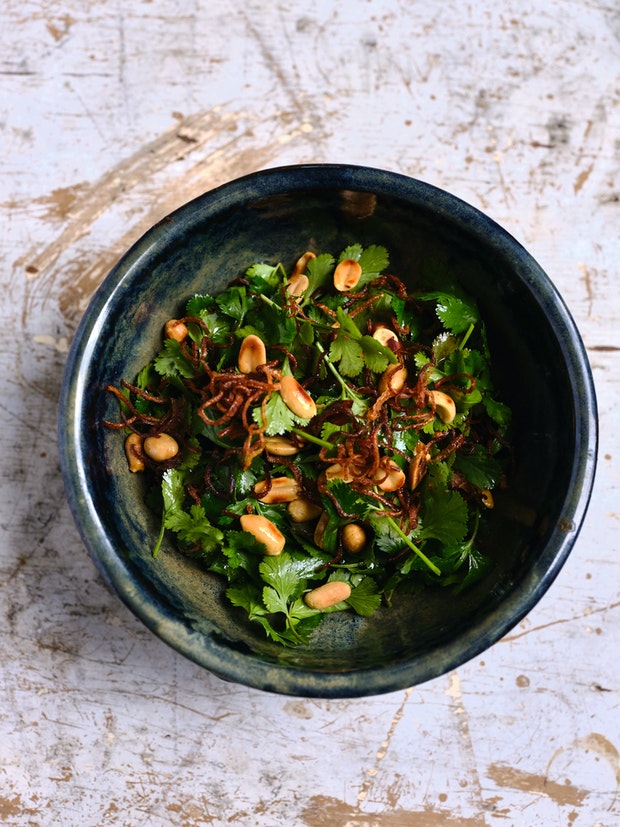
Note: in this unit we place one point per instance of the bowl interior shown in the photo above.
(538, 364)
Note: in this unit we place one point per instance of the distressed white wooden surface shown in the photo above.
(112, 114)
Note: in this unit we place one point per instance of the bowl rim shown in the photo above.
(154, 610)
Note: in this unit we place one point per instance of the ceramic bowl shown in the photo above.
(540, 367)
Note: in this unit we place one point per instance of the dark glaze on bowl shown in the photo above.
(539, 364)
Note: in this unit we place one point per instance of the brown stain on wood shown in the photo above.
(326, 811)
(224, 145)
(13, 807)
(582, 178)
(515, 779)
(60, 26)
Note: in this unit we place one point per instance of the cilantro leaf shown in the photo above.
(171, 361)
(318, 271)
(194, 527)
(386, 536)
(248, 598)
(456, 310)
(200, 304)
(444, 517)
(498, 411)
(346, 324)
(348, 353)
(190, 526)
(234, 302)
(479, 468)
(260, 275)
(287, 574)
(365, 599)
(217, 325)
(173, 490)
(373, 260)
(377, 357)
(353, 251)
(280, 418)
(456, 314)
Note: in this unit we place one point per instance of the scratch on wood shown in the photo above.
(469, 758)
(586, 276)
(512, 637)
(383, 748)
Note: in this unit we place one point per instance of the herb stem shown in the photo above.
(269, 301)
(465, 338)
(354, 397)
(311, 438)
(160, 536)
(413, 546)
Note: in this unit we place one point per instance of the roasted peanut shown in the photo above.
(319, 529)
(174, 329)
(280, 446)
(486, 498)
(161, 447)
(444, 406)
(252, 353)
(133, 452)
(297, 398)
(297, 285)
(302, 511)
(418, 464)
(302, 263)
(389, 477)
(385, 336)
(353, 537)
(347, 274)
(265, 532)
(393, 379)
(327, 595)
(335, 471)
(281, 490)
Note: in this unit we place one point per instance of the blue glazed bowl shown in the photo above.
(540, 366)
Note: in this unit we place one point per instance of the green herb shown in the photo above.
(367, 452)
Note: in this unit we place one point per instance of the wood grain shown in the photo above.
(112, 115)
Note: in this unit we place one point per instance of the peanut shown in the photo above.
(347, 274)
(418, 464)
(385, 336)
(282, 490)
(297, 398)
(444, 406)
(393, 379)
(302, 263)
(335, 471)
(265, 532)
(327, 595)
(252, 353)
(161, 447)
(486, 498)
(389, 476)
(297, 285)
(280, 446)
(319, 530)
(133, 452)
(302, 511)
(174, 329)
(353, 537)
